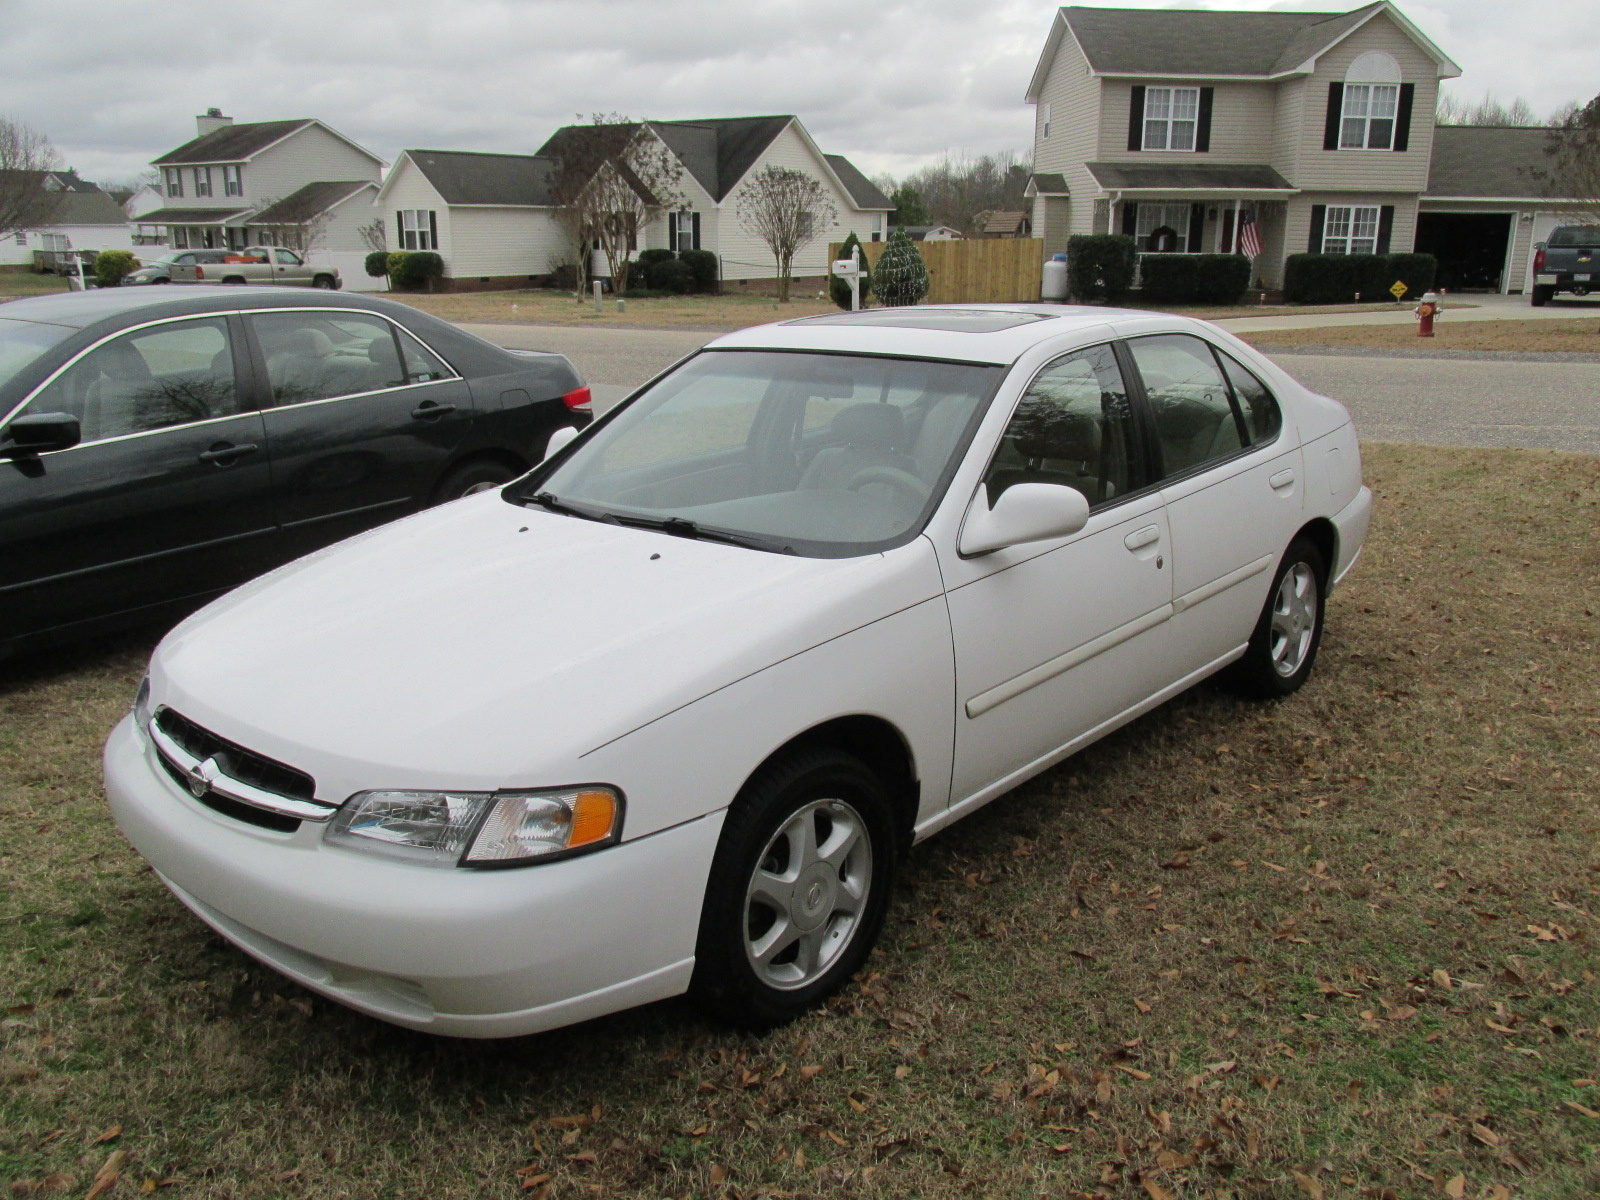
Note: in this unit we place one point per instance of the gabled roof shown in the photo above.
(1198, 43)
(311, 200)
(88, 208)
(716, 151)
(469, 177)
(863, 191)
(1488, 160)
(240, 143)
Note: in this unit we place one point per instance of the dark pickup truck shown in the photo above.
(1568, 262)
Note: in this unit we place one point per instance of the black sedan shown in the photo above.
(158, 446)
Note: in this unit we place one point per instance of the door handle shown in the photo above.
(1140, 538)
(1282, 479)
(431, 411)
(223, 453)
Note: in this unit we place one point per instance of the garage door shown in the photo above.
(1473, 249)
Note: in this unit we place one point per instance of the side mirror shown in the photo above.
(37, 433)
(559, 441)
(1025, 512)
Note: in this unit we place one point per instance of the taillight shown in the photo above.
(577, 398)
(199, 272)
(1538, 260)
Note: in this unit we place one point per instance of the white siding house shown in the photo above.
(83, 218)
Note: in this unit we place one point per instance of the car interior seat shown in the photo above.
(865, 435)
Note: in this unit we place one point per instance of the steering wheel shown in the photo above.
(903, 482)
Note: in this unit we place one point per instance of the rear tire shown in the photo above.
(1283, 647)
(234, 279)
(470, 478)
(1542, 293)
(798, 888)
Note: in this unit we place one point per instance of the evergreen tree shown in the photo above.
(839, 288)
(901, 277)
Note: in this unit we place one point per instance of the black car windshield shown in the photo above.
(23, 341)
(828, 455)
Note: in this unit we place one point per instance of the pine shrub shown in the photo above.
(901, 277)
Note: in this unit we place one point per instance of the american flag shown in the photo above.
(1249, 235)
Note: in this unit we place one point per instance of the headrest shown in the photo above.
(878, 426)
(381, 351)
(1041, 430)
(311, 343)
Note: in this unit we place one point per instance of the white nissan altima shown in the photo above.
(663, 715)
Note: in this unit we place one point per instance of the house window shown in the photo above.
(55, 241)
(417, 229)
(1368, 119)
(174, 178)
(683, 230)
(202, 181)
(1351, 229)
(1164, 228)
(22, 237)
(1170, 117)
(180, 237)
(877, 227)
(1045, 120)
(233, 181)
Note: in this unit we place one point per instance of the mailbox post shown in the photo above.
(849, 270)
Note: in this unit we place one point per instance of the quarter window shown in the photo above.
(1195, 417)
(1170, 117)
(149, 379)
(323, 355)
(1073, 427)
(1350, 229)
(1258, 406)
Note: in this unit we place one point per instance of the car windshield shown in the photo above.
(827, 455)
(23, 341)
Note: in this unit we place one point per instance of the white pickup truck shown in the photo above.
(260, 264)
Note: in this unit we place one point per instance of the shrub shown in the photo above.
(564, 276)
(703, 266)
(901, 277)
(671, 275)
(377, 264)
(838, 288)
(111, 265)
(414, 268)
(1340, 278)
(1100, 266)
(1194, 278)
(647, 259)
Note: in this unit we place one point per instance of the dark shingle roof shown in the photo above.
(191, 216)
(863, 191)
(231, 143)
(1050, 185)
(1487, 160)
(310, 200)
(88, 208)
(1202, 42)
(716, 152)
(467, 177)
(1240, 176)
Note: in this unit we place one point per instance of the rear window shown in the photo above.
(23, 341)
(1576, 235)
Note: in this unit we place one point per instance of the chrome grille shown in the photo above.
(231, 779)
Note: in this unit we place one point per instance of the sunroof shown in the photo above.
(945, 320)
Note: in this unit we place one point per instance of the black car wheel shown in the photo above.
(1284, 645)
(473, 477)
(323, 281)
(1542, 294)
(798, 888)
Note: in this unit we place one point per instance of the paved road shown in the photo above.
(1452, 402)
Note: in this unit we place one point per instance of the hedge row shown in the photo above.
(1100, 266)
(675, 273)
(413, 268)
(1194, 278)
(1340, 278)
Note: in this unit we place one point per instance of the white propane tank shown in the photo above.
(1054, 284)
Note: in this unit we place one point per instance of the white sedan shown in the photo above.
(663, 715)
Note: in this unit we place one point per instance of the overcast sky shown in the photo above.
(891, 84)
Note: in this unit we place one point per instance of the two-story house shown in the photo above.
(1200, 132)
(235, 185)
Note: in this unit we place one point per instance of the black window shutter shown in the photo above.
(696, 230)
(1136, 118)
(1330, 128)
(433, 229)
(1385, 227)
(1130, 219)
(672, 231)
(1319, 216)
(1402, 118)
(399, 230)
(1202, 130)
(1197, 227)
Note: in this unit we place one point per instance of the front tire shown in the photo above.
(1542, 294)
(1283, 647)
(323, 281)
(798, 889)
(470, 478)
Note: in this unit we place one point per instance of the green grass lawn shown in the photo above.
(1341, 946)
(16, 284)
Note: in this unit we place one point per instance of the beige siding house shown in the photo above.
(1182, 127)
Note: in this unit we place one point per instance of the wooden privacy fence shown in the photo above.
(976, 271)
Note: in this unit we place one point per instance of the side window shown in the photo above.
(422, 364)
(1073, 426)
(149, 379)
(321, 355)
(1262, 418)
(1194, 414)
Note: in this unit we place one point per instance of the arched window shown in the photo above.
(1371, 102)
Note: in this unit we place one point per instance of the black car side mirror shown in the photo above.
(37, 433)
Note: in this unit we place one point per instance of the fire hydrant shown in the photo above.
(1425, 312)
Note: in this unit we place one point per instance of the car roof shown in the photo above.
(82, 309)
(980, 333)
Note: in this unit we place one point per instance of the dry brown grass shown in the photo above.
(1340, 946)
(16, 284)
(661, 312)
(1581, 334)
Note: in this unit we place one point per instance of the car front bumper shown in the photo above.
(466, 953)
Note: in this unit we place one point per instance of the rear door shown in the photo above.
(165, 497)
(361, 417)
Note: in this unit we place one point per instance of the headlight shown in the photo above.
(447, 829)
(142, 711)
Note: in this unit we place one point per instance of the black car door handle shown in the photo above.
(223, 453)
(431, 411)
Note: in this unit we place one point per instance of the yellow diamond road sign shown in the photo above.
(1398, 290)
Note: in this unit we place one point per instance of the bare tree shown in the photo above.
(1571, 172)
(372, 236)
(787, 209)
(299, 222)
(25, 156)
(955, 190)
(615, 176)
(1457, 110)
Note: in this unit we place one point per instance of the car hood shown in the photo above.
(482, 645)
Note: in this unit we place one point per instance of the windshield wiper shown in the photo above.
(551, 503)
(685, 528)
